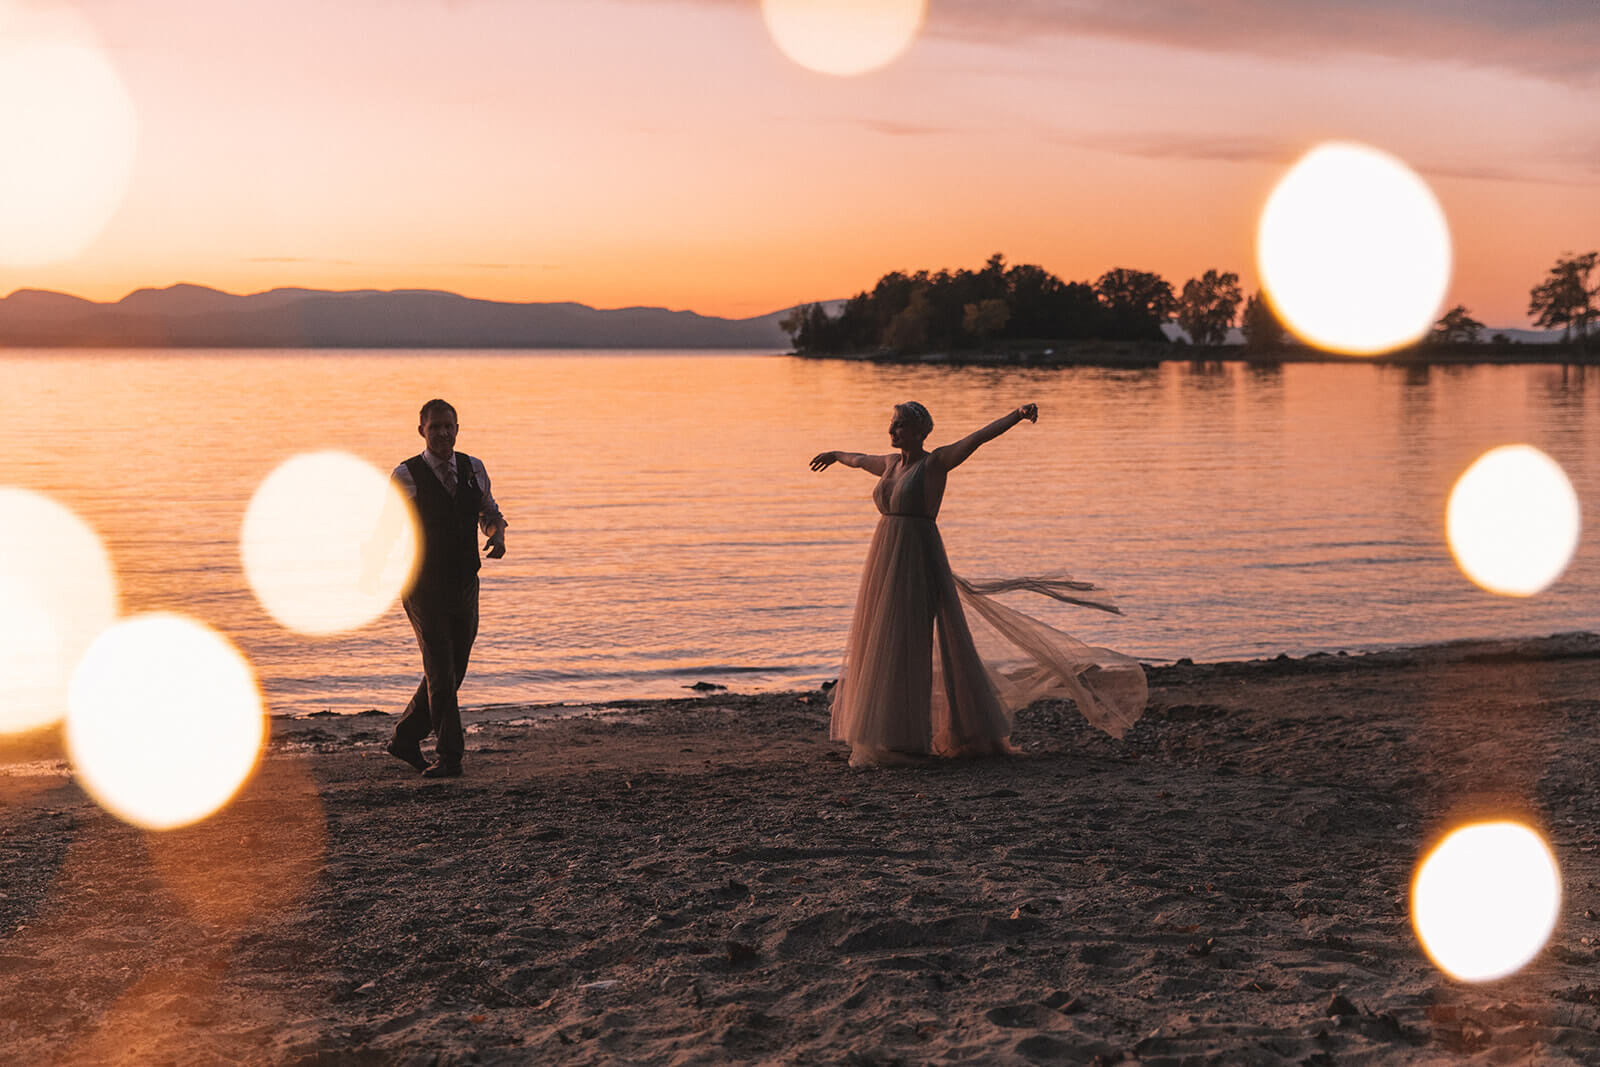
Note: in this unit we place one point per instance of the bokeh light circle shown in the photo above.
(328, 543)
(1485, 900)
(1513, 521)
(1354, 250)
(164, 720)
(843, 37)
(58, 593)
(68, 129)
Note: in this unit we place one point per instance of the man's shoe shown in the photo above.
(443, 769)
(407, 754)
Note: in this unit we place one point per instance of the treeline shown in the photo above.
(1567, 299)
(965, 309)
(1001, 306)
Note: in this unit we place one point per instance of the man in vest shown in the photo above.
(451, 492)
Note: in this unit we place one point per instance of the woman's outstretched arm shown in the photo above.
(861, 460)
(953, 455)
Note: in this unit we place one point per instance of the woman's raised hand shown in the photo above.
(823, 460)
(1029, 412)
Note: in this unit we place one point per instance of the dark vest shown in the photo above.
(449, 526)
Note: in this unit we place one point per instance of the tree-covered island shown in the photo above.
(1024, 313)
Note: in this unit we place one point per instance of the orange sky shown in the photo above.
(666, 152)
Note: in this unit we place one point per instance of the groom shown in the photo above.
(451, 492)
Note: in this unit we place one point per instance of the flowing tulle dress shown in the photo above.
(935, 666)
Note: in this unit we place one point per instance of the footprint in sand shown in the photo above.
(1022, 1016)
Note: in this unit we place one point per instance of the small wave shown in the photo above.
(1336, 563)
(665, 673)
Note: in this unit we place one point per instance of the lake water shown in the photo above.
(666, 528)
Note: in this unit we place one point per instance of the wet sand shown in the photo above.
(706, 881)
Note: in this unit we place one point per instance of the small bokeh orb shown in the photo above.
(1513, 521)
(59, 593)
(843, 37)
(1353, 250)
(164, 722)
(328, 543)
(68, 131)
(1485, 900)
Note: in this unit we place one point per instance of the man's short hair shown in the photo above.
(433, 407)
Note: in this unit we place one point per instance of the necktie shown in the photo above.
(450, 477)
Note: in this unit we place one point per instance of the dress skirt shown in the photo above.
(934, 666)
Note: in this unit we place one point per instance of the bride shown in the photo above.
(919, 676)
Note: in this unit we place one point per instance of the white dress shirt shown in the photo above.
(488, 514)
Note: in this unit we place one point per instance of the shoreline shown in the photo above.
(1135, 354)
(705, 880)
(288, 727)
(711, 682)
(1562, 645)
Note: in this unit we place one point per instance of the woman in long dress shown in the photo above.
(921, 675)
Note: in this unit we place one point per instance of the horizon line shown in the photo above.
(441, 292)
(487, 300)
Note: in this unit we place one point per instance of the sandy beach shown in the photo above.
(705, 880)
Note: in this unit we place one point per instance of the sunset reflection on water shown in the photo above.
(666, 529)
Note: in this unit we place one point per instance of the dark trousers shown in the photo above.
(446, 624)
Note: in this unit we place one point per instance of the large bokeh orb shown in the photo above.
(1485, 900)
(57, 593)
(843, 37)
(328, 543)
(1513, 521)
(67, 134)
(1353, 250)
(164, 722)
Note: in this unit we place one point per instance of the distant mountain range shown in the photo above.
(194, 316)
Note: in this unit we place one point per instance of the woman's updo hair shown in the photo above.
(916, 415)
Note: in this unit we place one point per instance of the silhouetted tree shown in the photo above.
(1260, 324)
(984, 318)
(1135, 303)
(908, 330)
(993, 274)
(1456, 327)
(794, 323)
(951, 292)
(810, 329)
(1565, 297)
(890, 297)
(1208, 305)
(857, 329)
